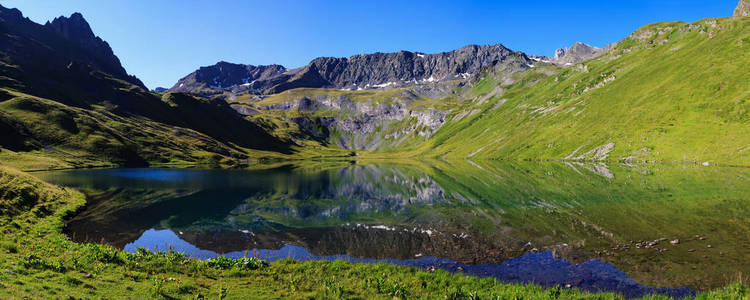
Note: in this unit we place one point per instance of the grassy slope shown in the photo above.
(37, 260)
(669, 92)
(61, 136)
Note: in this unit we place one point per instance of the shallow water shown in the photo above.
(593, 226)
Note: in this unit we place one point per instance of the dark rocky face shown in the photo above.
(77, 30)
(52, 54)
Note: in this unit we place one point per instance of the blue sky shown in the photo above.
(163, 40)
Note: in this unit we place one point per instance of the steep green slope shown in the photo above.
(668, 92)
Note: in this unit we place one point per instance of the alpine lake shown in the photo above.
(670, 229)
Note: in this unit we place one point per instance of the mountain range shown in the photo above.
(357, 72)
(670, 91)
(369, 71)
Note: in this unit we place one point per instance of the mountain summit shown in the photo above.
(77, 30)
(743, 9)
(55, 57)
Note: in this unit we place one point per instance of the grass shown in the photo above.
(669, 92)
(58, 136)
(37, 260)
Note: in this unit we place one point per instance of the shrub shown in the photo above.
(245, 263)
(101, 253)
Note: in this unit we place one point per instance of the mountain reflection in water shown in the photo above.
(587, 225)
(538, 268)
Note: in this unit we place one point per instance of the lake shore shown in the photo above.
(39, 261)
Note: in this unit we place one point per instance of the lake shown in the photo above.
(672, 229)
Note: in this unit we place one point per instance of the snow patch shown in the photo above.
(431, 79)
(387, 84)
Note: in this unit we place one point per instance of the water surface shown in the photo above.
(593, 226)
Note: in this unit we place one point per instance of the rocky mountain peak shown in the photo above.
(10, 14)
(77, 30)
(361, 71)
(64, 46)
(574, 54)
(743, 9)
(74, 27)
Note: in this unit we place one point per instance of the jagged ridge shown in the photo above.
(362, 71)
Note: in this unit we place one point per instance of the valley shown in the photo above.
(617, 172)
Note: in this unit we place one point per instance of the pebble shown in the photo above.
(691, 250)
(709, 246)
(675, 242)
(86, 275)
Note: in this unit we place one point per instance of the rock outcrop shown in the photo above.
(578, 52)
(743, 9)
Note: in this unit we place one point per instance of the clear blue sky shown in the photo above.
(161, 41)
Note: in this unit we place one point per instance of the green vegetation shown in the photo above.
(668, 92)
(39, 261)
(47, 134)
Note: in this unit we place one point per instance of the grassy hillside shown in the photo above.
(41, 134)
(48, 134)
(668, 92)
(39, 261)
